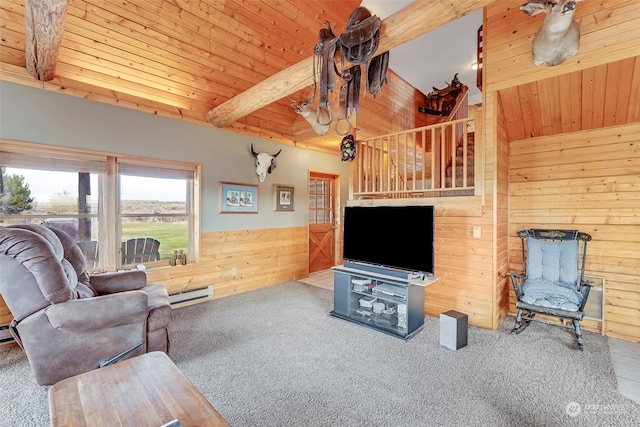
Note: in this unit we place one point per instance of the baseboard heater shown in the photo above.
(5, 335)
(178, 299)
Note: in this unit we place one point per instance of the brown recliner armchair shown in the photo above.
(67, 321)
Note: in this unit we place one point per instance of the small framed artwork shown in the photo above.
(284, 197)
(238, 198)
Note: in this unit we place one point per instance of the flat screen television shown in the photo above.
(390, 236)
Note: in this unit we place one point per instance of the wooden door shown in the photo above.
(323, 232)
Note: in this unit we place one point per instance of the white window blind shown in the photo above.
(29, 161)
(132, 169)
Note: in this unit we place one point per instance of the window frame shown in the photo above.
(109, 217)
(325, 195)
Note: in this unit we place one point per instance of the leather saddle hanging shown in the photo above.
(359, 43)
(377, 72)
(324, 67)
(360, 39)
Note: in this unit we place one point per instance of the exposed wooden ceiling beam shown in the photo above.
(408, 23)
(44, 25)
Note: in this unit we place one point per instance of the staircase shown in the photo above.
(459, 170)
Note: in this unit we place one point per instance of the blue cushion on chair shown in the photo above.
(552, 261)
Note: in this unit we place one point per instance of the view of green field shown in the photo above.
(171, 235)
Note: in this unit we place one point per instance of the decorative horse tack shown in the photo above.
(265, 163)
(440, 101)
(325, 67)
(360, 40)
(377, 72)
(348, 148)
(357, 44)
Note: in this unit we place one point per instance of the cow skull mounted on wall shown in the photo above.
(265, 163)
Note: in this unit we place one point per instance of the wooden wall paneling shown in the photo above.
(633, 114)
(570, 99)
(599, 198)
(616, 33)
(523, 115)
(394, 109)
(622, 93)
(611, 94)
(598, 96)
(262, 257)
(501, 224)
(495, 204)
(464, 264)
(511, 102)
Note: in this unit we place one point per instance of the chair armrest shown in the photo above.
(119, 281)
(517, 280)
(101, 312)
(585, 288)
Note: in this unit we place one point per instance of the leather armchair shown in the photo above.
(68, 321)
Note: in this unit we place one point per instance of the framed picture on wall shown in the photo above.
(238, 198)
(284, 197)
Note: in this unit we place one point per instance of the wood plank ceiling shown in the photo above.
(574, 101)
(182, 58)
(177, 58)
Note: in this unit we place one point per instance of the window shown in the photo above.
(155, 212)
(320, 201)
(150, 201)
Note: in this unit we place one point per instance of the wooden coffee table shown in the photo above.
(147, 390)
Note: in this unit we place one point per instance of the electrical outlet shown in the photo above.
(477, 232)
(234, 272)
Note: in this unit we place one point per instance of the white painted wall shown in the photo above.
(36, 115)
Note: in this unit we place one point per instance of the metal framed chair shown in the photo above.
(552, 282)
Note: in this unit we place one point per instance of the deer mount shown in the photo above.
(319, 119)
(559, 36)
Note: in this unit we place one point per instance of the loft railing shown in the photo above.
(431, 161)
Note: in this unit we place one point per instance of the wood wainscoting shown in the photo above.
(241, 260)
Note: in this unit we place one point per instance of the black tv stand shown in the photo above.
(386, 299)
(386, 271)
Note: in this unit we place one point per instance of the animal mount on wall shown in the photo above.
(559, 36)
(319, 119)
(265, 163)
(440, 102)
